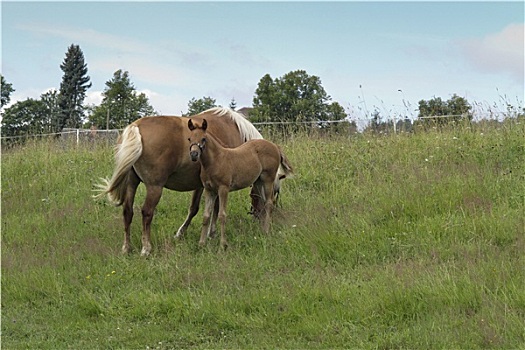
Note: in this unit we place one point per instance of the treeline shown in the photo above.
(65, 108)
(295, 98)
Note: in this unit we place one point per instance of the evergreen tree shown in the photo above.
(73, 88)
(233, 104)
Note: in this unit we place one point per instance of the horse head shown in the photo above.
(197, 138)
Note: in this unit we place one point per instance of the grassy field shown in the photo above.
(396, 241)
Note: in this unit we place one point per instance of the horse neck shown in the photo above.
(213, 150)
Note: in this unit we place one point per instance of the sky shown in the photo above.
(368, 55)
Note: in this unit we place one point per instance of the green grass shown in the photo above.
(398, 241)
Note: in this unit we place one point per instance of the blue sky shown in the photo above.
(363, 52)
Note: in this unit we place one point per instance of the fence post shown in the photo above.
(78, 135)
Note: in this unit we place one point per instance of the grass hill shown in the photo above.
(382, 241)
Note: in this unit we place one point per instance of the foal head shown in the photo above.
(197, 138)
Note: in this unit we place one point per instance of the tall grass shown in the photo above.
(393, 241)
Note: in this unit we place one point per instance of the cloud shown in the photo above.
(245, 56)
(86, 36)
(145, 61)
(500, 52)
(141, 68)
(93, 98)
(24, 94)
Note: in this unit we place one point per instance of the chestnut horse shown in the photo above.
(154, 150)
(231, 169)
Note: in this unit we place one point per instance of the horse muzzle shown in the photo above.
(194, 155)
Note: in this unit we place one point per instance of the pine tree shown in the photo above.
(233, 104)
(73, 88)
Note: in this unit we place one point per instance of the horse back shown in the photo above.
(267, 154)
(164, 160)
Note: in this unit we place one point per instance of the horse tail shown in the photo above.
(285, 171)
(285, 168)
(128, 150)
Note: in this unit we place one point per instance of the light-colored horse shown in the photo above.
(229, 169)
(154, 150)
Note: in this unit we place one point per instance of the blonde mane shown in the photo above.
(246, 129)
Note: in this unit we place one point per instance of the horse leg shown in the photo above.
(192, 211)
(213, 225)
(268, 205)
(127, 212)
(223, 201)
(257, 200)
(153, 194)
(210, 198)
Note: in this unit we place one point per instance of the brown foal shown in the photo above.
(223, 169)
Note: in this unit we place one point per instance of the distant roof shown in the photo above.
(245, 111)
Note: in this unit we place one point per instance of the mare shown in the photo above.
(154, 150)
(229, 169)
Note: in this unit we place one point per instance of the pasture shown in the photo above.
(382, 241)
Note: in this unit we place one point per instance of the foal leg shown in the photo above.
(213, 225)
(127, 212)
(153, 194)
(223, 202)
(257, 200)
(192, 211)
(268, 205)
(210, 199)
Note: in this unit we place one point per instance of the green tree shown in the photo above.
(24, 118)
(52, 109)
(197, 106)
(32, 116)
(335, 111)
(296, 96)
(264, 104)
(6, 89)
(73, 87)
(121, 104)
(445, 112)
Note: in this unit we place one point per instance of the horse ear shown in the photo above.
(204, 124)
(190, 125)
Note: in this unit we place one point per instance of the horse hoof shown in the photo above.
(179, 233)
(145, 252)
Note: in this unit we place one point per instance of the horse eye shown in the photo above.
(203, 140)
(189, 139)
